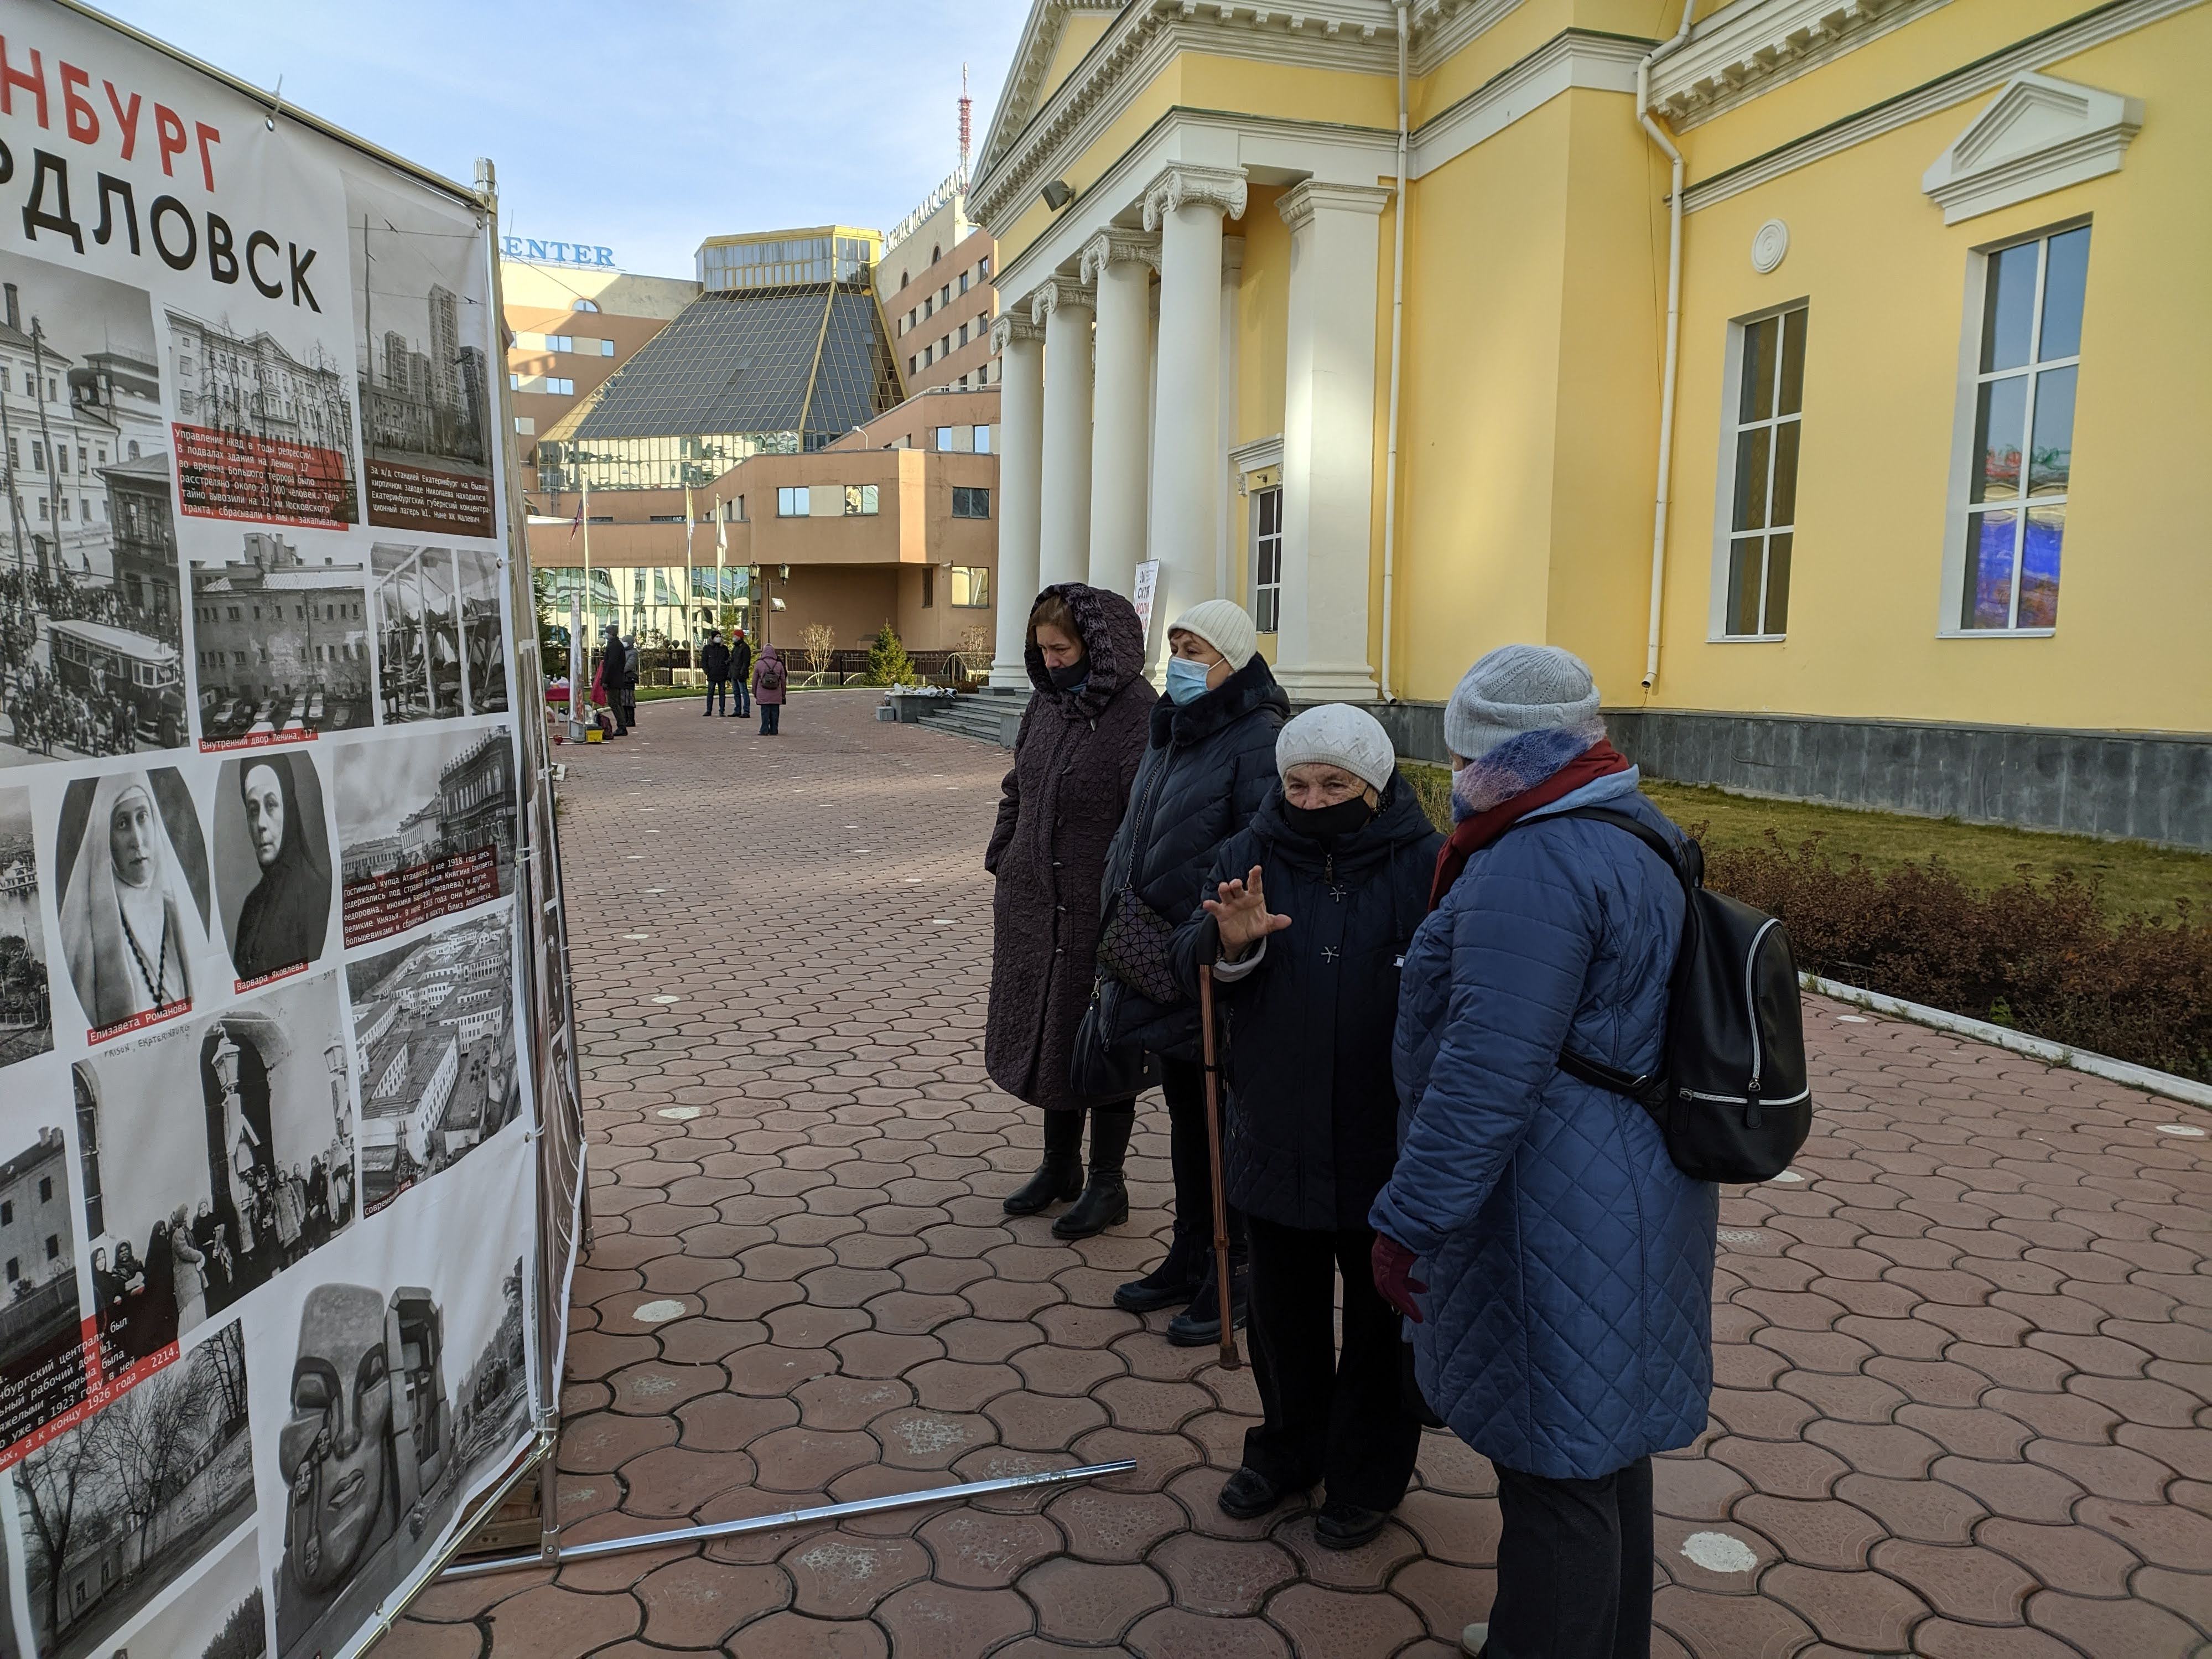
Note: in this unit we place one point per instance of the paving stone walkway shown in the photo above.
(1963, 1359)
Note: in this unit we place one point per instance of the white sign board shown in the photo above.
(1141, 594)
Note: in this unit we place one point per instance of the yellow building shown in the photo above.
(1405, 390)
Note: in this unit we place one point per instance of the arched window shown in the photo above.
(936, 253)
(583, 305)
(904, 279)
(134, 449)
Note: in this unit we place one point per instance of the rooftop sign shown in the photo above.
(557, 253)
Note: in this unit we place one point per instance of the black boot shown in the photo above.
(1105, 1200)
(1175, 1280)
(1059, 1176)
(1198, 1325)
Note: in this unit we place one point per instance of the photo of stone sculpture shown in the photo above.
(280, 642)
(272, 862)
(119, 1507)
(90, 608)
(135, 898)
(27, 1003)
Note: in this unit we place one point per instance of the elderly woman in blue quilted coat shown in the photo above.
(1559, 1266)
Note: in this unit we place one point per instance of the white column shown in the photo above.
(1186, 206)
(1118, 265)
(1328, 442)
(1019, 344)
(1063, 309)
(1228, 537)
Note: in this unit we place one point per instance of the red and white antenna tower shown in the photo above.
(967, 118)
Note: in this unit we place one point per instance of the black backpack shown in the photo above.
(1732, 1098)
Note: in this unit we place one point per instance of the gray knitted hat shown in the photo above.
(1517, 688)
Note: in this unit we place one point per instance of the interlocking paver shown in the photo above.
(1964, 1367)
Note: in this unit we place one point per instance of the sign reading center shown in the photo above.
(557, 253)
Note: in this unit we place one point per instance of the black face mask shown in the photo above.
(1327, 823)
(1067, 678)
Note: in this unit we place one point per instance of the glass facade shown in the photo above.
(823, 256)
(644, 602)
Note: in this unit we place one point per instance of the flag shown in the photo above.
(574, 523)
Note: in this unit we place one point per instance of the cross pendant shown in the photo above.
(1328, 953)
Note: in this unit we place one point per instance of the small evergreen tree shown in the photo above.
(888, 662)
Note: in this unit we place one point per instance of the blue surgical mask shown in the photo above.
(1186, 679)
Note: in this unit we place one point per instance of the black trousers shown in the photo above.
(1183, 1083)
(771, 714)
(1574, 1566)
(718, 693)
(1326, 1416)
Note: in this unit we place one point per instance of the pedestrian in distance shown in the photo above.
(768, 687)
(613, 657)
(630, 662)
(741, 673)
(1209, 762)
(1313, 906)
(1074, 759)
(715, 659)
(1556, 1264)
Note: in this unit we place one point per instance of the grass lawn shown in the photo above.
(2135, 878)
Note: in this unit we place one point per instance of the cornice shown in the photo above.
(1298, 205)
(1033, 55)
(1116, 247)
(2064, 40)
(1572, 58)
(1054, 292)
(2038, 135)
(1013, 325)
(1753, 46)
(1181, 183)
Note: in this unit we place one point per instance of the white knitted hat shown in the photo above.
(1224, 625)
(1517, 688)
(1338, 734)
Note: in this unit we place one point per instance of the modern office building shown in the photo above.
(934, 281)
(571, 327)
(1911, 419)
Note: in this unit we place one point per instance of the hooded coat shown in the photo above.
(769, 676)
(286, 917)
(1312, 1128)
(1074, 760)
(1208, 765)
(1568, 1322)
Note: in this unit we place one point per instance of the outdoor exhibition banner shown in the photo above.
(274, 988)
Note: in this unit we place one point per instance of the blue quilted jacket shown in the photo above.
(1568, 1326)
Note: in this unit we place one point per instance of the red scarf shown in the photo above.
(1471, 835)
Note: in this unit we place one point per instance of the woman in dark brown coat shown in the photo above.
(1080, 742)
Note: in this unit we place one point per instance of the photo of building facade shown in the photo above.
(280, 636)
(244, 392)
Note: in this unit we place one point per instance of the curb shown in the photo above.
(2054, 1054)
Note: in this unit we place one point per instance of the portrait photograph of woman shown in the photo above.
(272, 862)
(134, 909)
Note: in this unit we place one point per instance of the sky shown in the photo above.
(638, 125)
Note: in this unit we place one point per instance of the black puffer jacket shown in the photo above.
(1312, 1129)
(715, 659)
(1206, 768)
(1073, 762)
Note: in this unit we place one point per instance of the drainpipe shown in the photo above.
(1397, 336)
(1667, 147)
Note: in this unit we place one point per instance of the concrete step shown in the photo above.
(994, 719)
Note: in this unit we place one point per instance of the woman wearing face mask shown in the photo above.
(1312, 908)
(130, 927)
(1209, 762)
(1073, 762)
(286, 916)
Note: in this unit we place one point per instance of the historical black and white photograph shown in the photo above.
(41, 1317)
(264, 426)
(280, 641)
(421, 633)
(422, 360)
(272, 862)
(374, 1472)
(27, 1003)
(212, 1158)
(221, 1614)
(119, 1507)
(434, 1042)
(135, 893)
(91, 660)
(425, 827)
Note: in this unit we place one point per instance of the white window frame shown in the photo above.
(1959, 498)
(793, 502)
(1253, 540)
(1716, 619)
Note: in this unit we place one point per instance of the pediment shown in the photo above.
(2038, 135)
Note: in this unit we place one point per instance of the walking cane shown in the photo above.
(1228, 1360)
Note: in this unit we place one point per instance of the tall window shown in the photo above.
(1267, 558)
(928, 587)
(2023, 453)
(1763, 518)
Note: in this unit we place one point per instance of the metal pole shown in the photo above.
(1221, 1269)
(897, 1500)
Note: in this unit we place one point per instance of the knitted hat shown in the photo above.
(1224, 625)
(1517, 688)
(1338, 734)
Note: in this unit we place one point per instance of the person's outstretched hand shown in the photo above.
(1241, 912)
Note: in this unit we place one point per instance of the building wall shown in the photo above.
(964, 252)
(541, 300)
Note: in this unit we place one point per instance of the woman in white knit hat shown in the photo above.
(1311, 910)
(1208, 763)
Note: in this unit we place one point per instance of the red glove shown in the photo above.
(1393, 1264)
